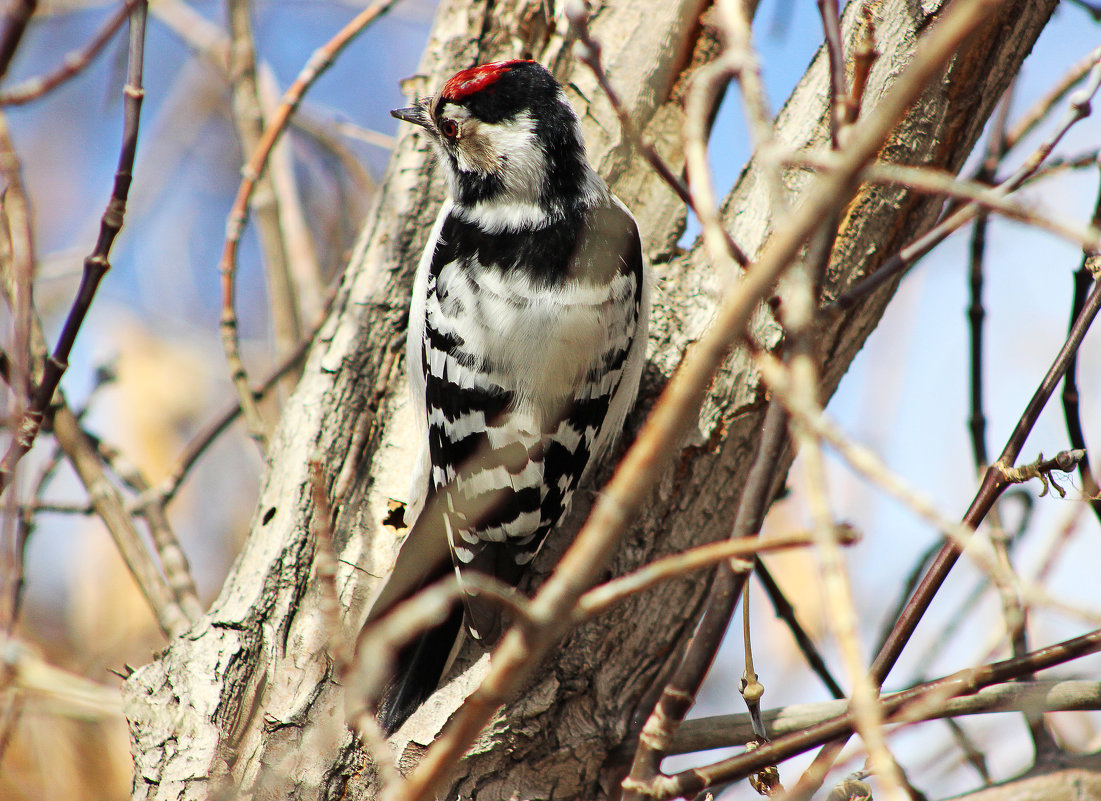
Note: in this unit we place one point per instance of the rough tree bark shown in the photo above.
(245, 699)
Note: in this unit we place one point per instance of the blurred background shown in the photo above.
(149, 367)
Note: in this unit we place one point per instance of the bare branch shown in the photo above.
(110, 507)
(12, 25)
(908, 704)
(177, 570)
(589, 54)
(1083, 279)
(71, 65)
(1078, 110)
(266, 201)
(831, 28)
(603, 596)
(96, 265)
(703, 734)
(320, 61)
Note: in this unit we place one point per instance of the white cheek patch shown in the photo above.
(509, 149)
(524, 163)
(514, 144)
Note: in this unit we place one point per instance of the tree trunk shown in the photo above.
(245, 699)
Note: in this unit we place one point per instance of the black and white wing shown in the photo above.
(532, 349)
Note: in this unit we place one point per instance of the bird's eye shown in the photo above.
(449, 128)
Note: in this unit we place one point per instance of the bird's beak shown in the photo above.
(413, 114)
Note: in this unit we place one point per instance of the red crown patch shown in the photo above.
(465, 83)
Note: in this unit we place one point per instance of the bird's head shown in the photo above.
(506, 134)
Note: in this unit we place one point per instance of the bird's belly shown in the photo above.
(533, 342)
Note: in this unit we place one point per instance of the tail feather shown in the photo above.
(421, 665)
(423, 559)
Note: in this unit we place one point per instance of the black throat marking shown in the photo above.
(475, 187)
(597, 242)
(543, 254)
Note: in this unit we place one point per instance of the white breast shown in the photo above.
(540, 342)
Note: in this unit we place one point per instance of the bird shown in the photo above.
(525, 349)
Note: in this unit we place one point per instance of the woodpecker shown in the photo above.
(527, 339)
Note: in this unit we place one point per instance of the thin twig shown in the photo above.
(60, 691)
(25, 523)
(104, 496)
(678, 695)
(72, 64)
(109, 505)
(266, 202)
(963, 611)
(1042, 468)
(57, 508)
(914, 703)
(995, 152)
(864, 56)
(20, 363)
(707, 84)
(784, 610)
(329, 135)
(798, 315)
(96, 265)
(743, 62)
(970, 751)
(1078, 110)
(177, 570)
(979, 197)
(958, 535)
(12, 26)
(750, 687)
(368, 136)
(1059, 164)
(18, 262)
(320, 61)
(993, 485)
(305, 272)
(842, 113)
(1013, 611)
(1083, 279)
(1052, 695)
(976, 422)
(599, 599)
(213, 45)
(841, 614)
(588, 53)
(1043, 107)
